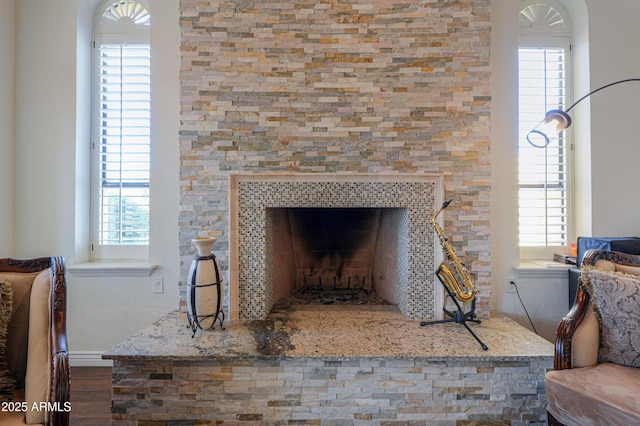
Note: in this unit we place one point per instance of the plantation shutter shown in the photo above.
(123, 146)
(543, 172)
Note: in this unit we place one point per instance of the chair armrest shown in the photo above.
(60, 389)
(563, 356)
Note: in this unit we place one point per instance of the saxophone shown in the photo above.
(452, 272)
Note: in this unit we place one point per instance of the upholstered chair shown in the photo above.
(596, 379)
(34, 363)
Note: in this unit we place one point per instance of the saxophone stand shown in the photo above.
(458, 316)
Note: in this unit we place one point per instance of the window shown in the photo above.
(122, 141)
(545, 198)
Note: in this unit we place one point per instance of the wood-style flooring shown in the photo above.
(90, 396)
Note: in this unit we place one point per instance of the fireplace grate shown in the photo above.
(338, 285)
(353, 291)
(333, 291)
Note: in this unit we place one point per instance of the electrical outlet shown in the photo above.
(510, 287)
(158, 285)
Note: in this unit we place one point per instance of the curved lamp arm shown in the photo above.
(556, 120)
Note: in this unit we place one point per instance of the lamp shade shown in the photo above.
(555, 121)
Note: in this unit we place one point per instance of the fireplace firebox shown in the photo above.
(329, 255)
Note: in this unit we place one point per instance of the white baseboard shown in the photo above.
(88, 359)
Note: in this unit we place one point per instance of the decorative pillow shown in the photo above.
(616, 298)
(7, 383)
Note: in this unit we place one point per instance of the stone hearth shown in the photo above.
(330, 365)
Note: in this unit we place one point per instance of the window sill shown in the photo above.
(542, 269)
(112, 269)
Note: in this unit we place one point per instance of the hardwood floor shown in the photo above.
(90, 396)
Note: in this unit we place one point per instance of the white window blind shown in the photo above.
(543, 172)
(123, 146)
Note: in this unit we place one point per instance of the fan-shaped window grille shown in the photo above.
(122, 130)
(544, 76)
(126, 11)
(543, 17)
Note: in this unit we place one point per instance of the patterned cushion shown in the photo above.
(616, 299)
(7, 383)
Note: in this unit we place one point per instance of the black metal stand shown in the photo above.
(195, 321)
(195, 318)
(458, 316)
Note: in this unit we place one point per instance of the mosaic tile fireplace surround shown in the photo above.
(255, 195)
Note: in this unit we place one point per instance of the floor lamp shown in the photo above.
(556, 120)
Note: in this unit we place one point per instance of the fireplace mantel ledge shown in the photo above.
(331, 332)
(331, 177)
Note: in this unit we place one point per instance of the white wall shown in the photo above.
(45, 127)
(504, 149)
(615, 141)
(52, 110)
(7, 96)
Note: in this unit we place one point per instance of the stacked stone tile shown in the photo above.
(425, 392)
(357, 86)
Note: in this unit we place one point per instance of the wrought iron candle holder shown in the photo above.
(204, 288)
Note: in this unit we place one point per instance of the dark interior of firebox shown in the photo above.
(335, 255)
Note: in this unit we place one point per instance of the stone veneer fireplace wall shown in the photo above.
(355, 86)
